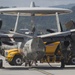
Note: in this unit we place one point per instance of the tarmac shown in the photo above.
(41, 69)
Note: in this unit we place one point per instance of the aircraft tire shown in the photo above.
(1, 63)
(72, 60)
(17, 60)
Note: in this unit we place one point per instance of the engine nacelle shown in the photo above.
(34, 49)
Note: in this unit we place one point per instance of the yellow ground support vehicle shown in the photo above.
(14, 56)
(53, 54)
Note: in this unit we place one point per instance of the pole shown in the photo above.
(16, 24)
(58, 22)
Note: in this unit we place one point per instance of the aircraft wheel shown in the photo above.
(30, 63)
(17, 60)
(1, 63)
(26, 64)
(72, 60)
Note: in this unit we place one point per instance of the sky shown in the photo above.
(22, 3)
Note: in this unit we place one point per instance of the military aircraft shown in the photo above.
(34, 48)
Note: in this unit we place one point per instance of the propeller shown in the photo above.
(33, 29)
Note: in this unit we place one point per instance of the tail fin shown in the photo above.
(32, 4)
(70, 25)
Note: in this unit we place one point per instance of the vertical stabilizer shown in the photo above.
(32, 4)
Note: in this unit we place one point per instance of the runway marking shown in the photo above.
(42, 71)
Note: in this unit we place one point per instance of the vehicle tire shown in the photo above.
(72, 60)
(17, 60)
(11, 63)
(1, 63)
(62, 63)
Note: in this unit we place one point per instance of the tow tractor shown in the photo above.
(53, 54)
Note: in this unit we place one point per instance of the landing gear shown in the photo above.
(62, 63)
(1, 63)
(72, 60)
(29, 62)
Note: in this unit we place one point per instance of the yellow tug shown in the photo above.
(53, 54)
